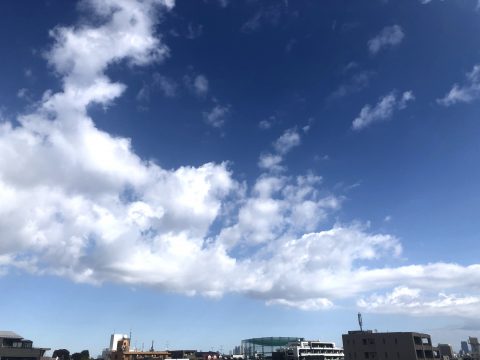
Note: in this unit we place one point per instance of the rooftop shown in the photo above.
(9, 335)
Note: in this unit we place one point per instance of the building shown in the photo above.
(264, 347)
(15, 347)
(475, 346)
(464, 348)
(358, 345)
(313, 350)
(123, 352)
(445, 351)
(183, 354)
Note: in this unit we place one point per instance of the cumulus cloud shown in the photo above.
(284, 144)
(468, 92)
(217, 116)
(388, 37)
(78, 202)
(383, 110)
(287, 141)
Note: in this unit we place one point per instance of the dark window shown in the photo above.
(386, 355)
(364, 341)
(366, 355)
(384, 340)
(396, 342)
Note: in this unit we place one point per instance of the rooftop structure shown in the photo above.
(15, 347)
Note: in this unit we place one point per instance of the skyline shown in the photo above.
(274, 166)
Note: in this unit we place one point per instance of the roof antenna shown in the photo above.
(360, 321)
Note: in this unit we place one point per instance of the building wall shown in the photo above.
(359, 345)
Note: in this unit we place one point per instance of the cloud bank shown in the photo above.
(78, 202)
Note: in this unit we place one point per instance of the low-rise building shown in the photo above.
(313, 350)
(123, 352)
(15, 347)
(359, 345)
(445, 351)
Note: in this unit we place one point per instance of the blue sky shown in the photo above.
(199, 172)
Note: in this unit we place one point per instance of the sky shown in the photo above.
(201, 172)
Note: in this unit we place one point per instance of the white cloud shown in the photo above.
(467, 93)
(383, 110)
(78, 202)
(166, 85)
(307, 305)
(413, 301)
(200, 84)
(388, 37)
(197, 84)
(266, 124)
(270, 162)
(217, 116)
(289, 139)
(286, 142)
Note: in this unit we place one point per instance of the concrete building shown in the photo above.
(15, 347)
(475, 346)
(359, 345)
(445, 351)
(313, 350)
(123, 352)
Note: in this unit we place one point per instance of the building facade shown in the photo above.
(313, 350)
(359, 345)
(123, 352)
(15, 347)
(264, 347)
(445, 351)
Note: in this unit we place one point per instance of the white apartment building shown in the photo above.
(313, 350)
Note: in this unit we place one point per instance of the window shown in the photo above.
(386, 355)
(384, 341)
(364, 341)
(396, 342)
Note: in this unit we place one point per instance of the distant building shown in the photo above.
(15, 347)
(445, 351)
(183, 354)
(313, 350)
(123, 352)
(358, 345)
(464, 348)
(475, 346)
(264, 347)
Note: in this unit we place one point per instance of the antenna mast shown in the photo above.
(360, 321)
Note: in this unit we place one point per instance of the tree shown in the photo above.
(85, 355)
(62, 354)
